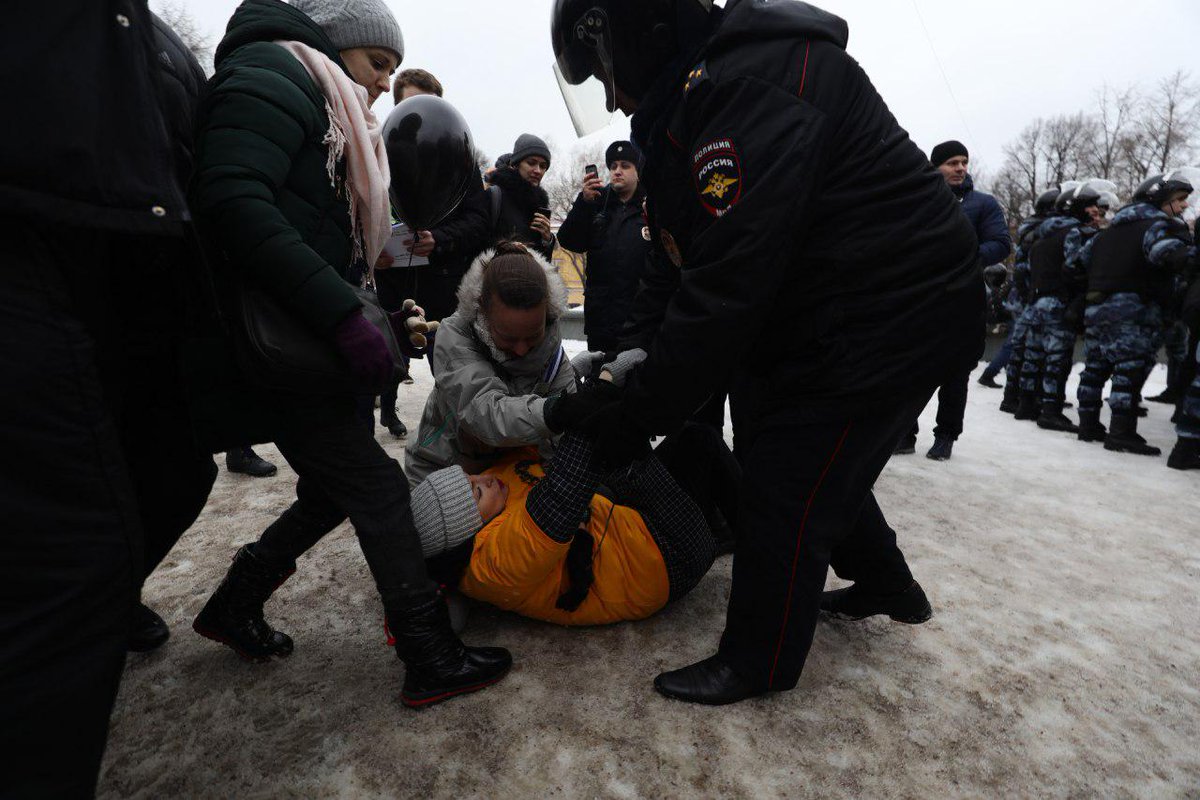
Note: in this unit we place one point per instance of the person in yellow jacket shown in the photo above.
(569, 544)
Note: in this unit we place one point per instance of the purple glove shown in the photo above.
(365, 350)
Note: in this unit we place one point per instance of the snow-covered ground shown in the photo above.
(1063, 659)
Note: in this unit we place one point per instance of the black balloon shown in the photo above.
(432, 158)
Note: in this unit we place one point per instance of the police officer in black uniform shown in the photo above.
(824, 272)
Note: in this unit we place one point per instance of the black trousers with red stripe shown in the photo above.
(807, 504)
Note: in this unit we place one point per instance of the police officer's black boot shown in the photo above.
(1090, 427)
(437, 665)
(1123, 436)
(234, 614)
(1029, 407)
(1186, 454)
(910, 606)
(1053, 419)
(1009, 403)
(711, 682)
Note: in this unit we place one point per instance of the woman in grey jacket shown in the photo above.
(499, 357)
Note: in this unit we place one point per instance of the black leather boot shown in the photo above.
(1010, 401)
(1186, 454)
(988, 380)
(245, 461)
(147, 630)
(1090, 427)
(1029, 407)
(1052, 418)
(910, 606)
(906, 446)
(710, 682)
(234, 614)
(437, 665)
(392, 422)
(1123, 436)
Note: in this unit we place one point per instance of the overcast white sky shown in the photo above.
(1007, 61)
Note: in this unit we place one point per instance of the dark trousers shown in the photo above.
(807, 504)
(952, 408)
(71, 539)
(343, 472)
(703, 466)
(434, 289)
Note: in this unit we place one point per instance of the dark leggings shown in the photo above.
(343, 472)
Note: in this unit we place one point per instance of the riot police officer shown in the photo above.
(1130, 269)
(1021, 300)
(813, 242)
(1050, 339)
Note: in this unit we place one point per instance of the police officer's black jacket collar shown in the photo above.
(760, 21)
(741, 21)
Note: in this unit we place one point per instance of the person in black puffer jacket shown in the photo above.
(522, 195)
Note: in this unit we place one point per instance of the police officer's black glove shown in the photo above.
(564, 412)
(617, 439)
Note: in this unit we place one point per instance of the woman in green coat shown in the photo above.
(291, 186)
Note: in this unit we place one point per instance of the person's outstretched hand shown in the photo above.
(363, 347)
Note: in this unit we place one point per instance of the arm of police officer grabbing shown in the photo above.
(656, 285)
(769, 145)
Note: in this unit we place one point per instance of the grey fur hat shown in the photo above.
(444, 511)
(529, 145)
(355, 23)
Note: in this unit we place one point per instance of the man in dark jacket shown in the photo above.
(813, 242)
(524, 205)
(951, 158)
(93, 216)
(606, 223)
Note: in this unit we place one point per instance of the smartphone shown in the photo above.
(591, 169)
(544, 211)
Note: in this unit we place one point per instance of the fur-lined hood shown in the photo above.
(471, 287)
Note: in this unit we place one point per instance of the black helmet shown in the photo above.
(623, 44)
(1158, 189)
(1045, 202)
(1075, 202)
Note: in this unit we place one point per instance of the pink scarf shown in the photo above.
(354, 133)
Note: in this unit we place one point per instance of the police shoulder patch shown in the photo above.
(717, 171)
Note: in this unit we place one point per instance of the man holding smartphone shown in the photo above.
(606, 223)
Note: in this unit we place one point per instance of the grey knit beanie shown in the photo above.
(355, 23)
(444, 511)
(529, 145)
